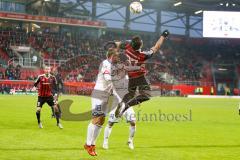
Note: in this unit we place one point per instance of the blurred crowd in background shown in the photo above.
(178, 60)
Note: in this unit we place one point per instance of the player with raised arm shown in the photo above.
(46, 83)
(137, 80)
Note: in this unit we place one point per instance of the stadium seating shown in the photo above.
(82, 68)
(3, 55)
(183, 61)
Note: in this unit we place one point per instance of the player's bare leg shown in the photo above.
(94, 129)
(132, 130)
(107, 133)
(38, 114)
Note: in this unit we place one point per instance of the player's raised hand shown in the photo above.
(165, 33)
(160, 41)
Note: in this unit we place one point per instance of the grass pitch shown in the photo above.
(211, 133)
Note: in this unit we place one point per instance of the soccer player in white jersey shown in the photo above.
(108, 82)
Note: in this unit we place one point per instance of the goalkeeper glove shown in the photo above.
(165, 33)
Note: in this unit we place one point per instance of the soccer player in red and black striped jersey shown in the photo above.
(47, 84)
(137, 80)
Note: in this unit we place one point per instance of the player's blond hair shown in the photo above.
(46, 67)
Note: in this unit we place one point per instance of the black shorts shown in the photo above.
(140, 82)
(42, 100)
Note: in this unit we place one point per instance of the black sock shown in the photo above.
(57, 116)
(57, 120)
(38, 116)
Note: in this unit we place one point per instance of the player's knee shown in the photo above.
(38, 109)
(99, 121)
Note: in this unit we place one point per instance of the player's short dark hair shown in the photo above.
(136, 42)
(110, 52)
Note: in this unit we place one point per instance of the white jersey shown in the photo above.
(110, 79)
(108, 74)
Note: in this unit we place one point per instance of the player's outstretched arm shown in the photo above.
(160, 41)
(36, 81)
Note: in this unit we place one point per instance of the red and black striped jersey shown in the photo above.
(46, 85)
(136, 58)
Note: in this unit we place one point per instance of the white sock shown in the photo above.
(107, 133)
(90, 131)
(96, 132)
(132, 130)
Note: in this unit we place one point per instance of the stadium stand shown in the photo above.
(179, 62)
(175, 58)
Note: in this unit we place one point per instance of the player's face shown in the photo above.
(115, 58)
(47, 70)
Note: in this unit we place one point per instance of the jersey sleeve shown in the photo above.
(106, 71)
(146, 54)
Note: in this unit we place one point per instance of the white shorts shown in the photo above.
(129, 116)
(103, 102)
(100, 103)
